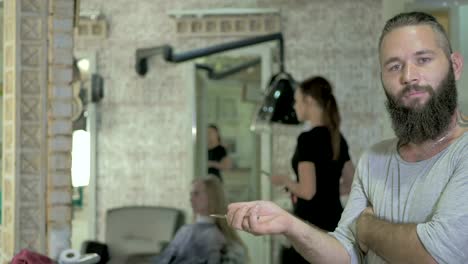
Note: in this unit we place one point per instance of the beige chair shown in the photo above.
(136, 234)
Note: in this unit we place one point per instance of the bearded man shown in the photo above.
(409, 199)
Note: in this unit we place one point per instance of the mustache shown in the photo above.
(415, 88)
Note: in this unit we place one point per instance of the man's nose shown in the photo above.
(410, 74)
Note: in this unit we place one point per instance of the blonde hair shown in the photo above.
(217, 205)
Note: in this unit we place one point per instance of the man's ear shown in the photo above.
(457, 63)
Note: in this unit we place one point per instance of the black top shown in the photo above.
(216, 154)
(324, 209)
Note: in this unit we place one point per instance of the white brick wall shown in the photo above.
(61, 56)
(60, 197)
(62, 40)
(60, 75)
(60, 213)
(62, 24)
(58, 234)
(60, 179)
(60, 93)
(62, 8)
(60, 144)
(60, 127)
(59, 160)
(61, 109)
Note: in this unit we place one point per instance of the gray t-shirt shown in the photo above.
(432, 193)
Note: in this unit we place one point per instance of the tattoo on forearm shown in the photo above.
(462, 120)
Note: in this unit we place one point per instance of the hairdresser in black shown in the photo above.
(321, 161)
(218, 158)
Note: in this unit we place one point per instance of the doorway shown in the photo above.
(231, 103)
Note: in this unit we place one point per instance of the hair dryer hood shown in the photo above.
(278, 105)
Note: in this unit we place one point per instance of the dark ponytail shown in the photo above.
(320, 89)
(332, 121)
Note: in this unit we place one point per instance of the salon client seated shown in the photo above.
(208, 240)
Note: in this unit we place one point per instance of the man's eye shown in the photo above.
(424, 60)
(395, 67)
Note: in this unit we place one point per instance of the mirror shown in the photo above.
(230, 103)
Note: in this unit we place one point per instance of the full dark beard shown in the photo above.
(418, 123)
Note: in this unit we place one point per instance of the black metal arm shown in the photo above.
(213, 75)
(143, 54)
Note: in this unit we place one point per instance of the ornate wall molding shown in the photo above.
(90, 33)
(37, 126)
(91, 28)
(24, 129)
(226, 22)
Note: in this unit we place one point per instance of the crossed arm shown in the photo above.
(396, 243)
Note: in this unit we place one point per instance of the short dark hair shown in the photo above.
(416, 19)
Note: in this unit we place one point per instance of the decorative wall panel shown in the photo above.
(24, 166)
(228, 25)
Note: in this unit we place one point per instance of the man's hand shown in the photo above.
(361, 226)
(259, 217)
(264, 217)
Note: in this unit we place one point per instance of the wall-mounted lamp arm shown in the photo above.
(142, 55)
(213, 75)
